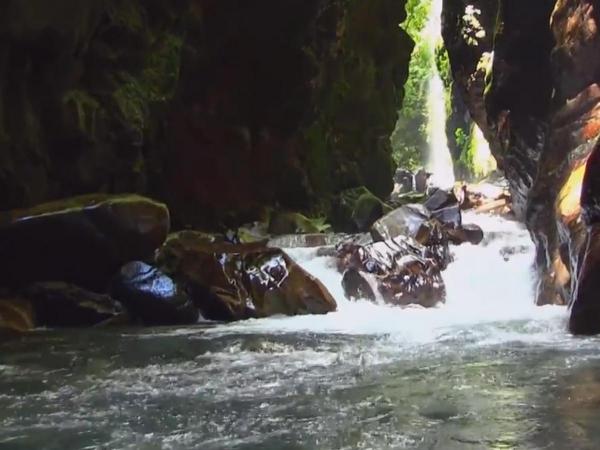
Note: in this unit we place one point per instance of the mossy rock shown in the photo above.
(295, 223)
(81, 240)
(355, 210)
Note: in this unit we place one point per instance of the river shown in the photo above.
(487, 370)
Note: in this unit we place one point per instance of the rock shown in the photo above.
(355, 210)
(292, 222)
(152, 296)
(585, 309)
(306, 240)
(470, 233)
(541, 129)
(58, 304)
(396, 270)
(416, 222)
(422, 180)
(440, 199)
(236, 282)
(404, 221)
(404, 181)
(434, 237)
(83, 240)
(397, 200)
(16, 315)
(444, 207)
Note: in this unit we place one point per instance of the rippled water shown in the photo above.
(488, 370)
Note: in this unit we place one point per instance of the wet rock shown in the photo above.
(152, 296)
(404, 181)
(16, 315)
(404, 221)
(445, 208)
(440, 199)
(236, 282)
(422, 180)
(396, 270)
(307, 240)
(58, 304)
(470, 233)
(83, 240)
(434, 237)
(585, 308)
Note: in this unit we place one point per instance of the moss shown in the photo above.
(86, 108)
(156, 83)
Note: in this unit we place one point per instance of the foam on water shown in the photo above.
(487, 286)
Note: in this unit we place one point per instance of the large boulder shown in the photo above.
(235, 282)
(57, 304)
(152, 296)
(82, 240)
(396, 271)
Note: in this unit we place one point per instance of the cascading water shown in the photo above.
(439, 160)
(486, 370)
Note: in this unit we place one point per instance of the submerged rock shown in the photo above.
(470, 233)
(235, 282)
(152, 296)
(83, 240)
(58, 304)
(396, 270)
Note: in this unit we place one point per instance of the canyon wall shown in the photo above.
(529, 73)
(222, 108)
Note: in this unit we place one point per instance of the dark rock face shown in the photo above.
(83, 240)
(397, 270)
(152, 296)
(538, 103)
(58, 304)
(585, 312)
(290, 102)
(235, 282)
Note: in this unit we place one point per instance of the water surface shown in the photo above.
(487, 370)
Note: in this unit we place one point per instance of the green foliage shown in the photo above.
(409, 138)
(86, 108)
(470, 164)
(442, 62)
(156, 83)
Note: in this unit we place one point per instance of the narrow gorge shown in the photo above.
(299, 224)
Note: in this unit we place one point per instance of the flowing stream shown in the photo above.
(487, 370)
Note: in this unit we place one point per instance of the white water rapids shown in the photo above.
(484, 286)
(487, 370)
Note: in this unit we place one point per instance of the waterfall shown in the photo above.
(439, 160)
